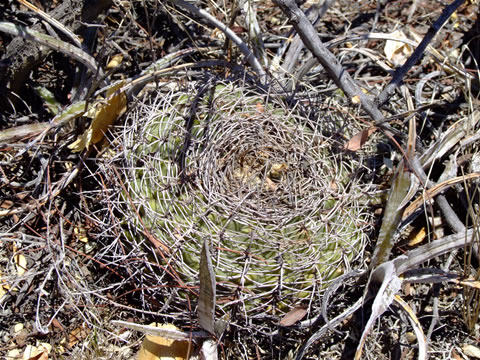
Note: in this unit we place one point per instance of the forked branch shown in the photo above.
(331, 65)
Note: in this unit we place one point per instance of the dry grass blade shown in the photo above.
(332, 324)
(414, 258)
(471, 310)
(417, 328)
(426, 275)
(388, 274)
(435, 190)
(392, 215)
(385, 274)
(164, 332)
(401, 192)
(22, 131)
(450, 138)
(254, 33)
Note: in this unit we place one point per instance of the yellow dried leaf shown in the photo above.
(160, 348)
(6, 285)
(471, 351)
(470, 283)
(46, 346)
(277, 170)
(82, 141)
(103, 114)
(3, 287)
(115, 61)
(20, 264)
(356, 99)
(397, 52)
(418, 237)
(3, 292)
(81, 234)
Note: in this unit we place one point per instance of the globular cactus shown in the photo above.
(284, 212)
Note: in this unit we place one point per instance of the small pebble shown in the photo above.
(471, 351)
(17, 328)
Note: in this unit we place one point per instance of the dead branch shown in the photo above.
(331, 65)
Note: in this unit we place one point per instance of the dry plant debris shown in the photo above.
(224, 105)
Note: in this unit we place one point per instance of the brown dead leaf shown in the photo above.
(294, 315)
(78, 334)
(270, 185)
(359, 139)
(333, 185)
(6, 204)
(57, 324)
(455, 355)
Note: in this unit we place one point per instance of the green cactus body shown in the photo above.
(260, 182)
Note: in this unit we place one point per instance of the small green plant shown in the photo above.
(285, 213)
